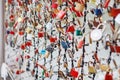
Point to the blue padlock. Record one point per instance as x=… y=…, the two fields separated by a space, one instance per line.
x=42 y=51
x=65 y=44
x=8 y=32
x=97 y=12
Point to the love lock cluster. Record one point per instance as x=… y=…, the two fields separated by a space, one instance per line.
x=63 y=39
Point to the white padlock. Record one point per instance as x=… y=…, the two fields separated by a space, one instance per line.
x=117 y=19
x=97 y=33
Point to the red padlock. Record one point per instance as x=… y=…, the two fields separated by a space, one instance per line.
x=108 y=76
x=71 y=29
x=115 y=49
x=12 y=17
x=21 y=33
x=12 y=32
x=114 y=12
x=80 y=44
x=18 y=72
x=40 y=34
x=53 y=39
x=74 y=73
x=23 y=46
x=28 y=43
x=54 y=5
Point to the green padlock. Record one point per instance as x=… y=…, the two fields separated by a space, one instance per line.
x=11 y=24
x=43 y=73
x=78 y=33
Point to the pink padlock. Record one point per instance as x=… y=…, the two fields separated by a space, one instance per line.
x=80 y=44
x=54 y=5
x=61 y=14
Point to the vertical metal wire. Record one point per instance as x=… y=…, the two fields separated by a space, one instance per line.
x=83 y=55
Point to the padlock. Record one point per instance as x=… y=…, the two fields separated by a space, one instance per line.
x=78 y=33
x=117 y=19
x=74 y=73
x=43 y=51
x=71 y=29
x=54 y=5
x=79 y=7
x=23 y=47
x=108 y=76
x=80 y=44
x=65 y=64
x=53 y=39
x=61 y=14
x=40 y=34
x=97 y=33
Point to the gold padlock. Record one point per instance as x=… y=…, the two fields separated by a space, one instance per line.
x=79 y=7
x=47 y=54
x=65 y=64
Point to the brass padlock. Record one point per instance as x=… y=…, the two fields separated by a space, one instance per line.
x=79 y=7
x=65 y=64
